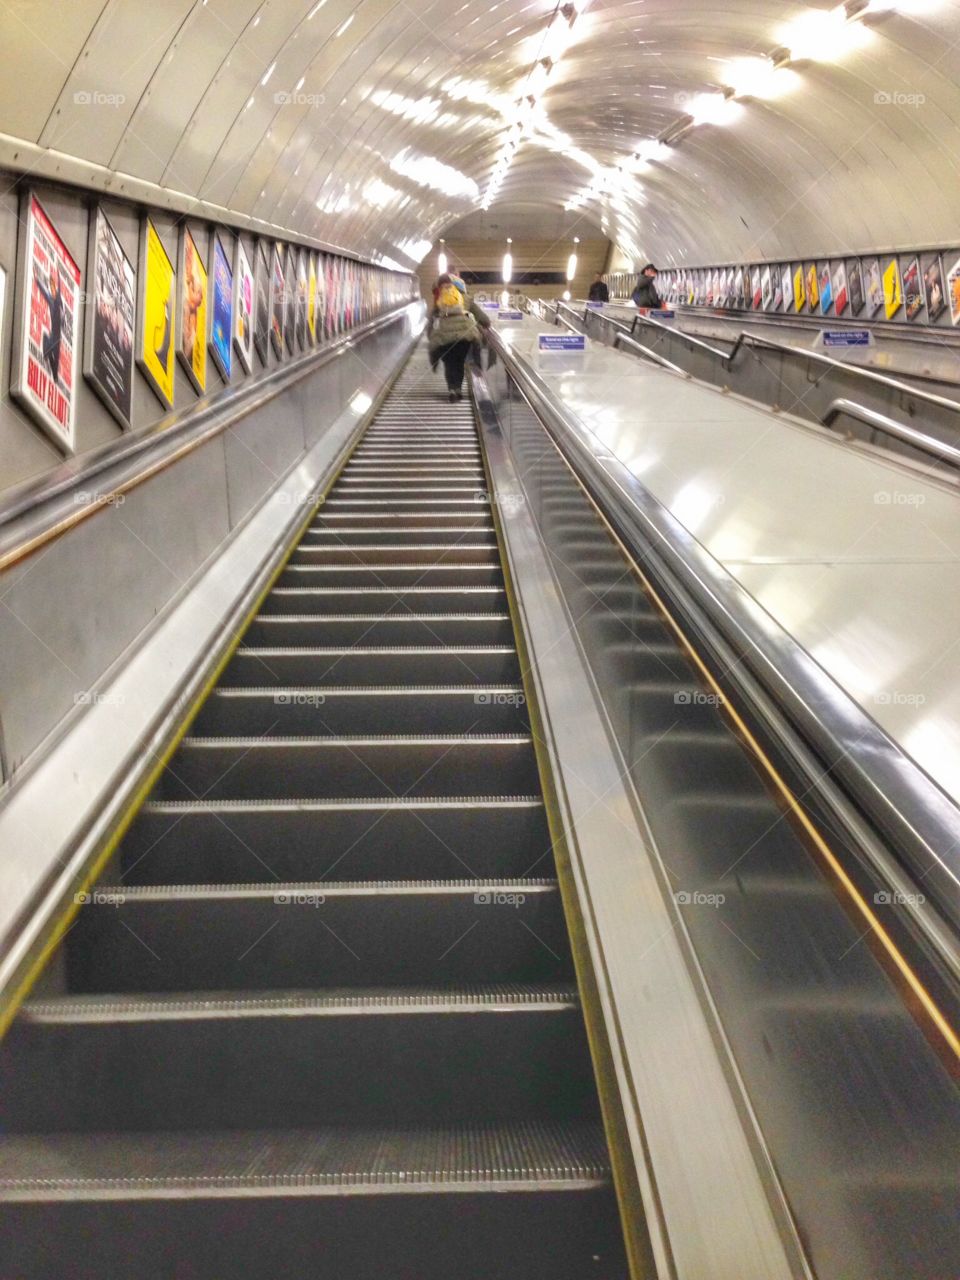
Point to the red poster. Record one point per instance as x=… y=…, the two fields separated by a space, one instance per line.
x=46 y=363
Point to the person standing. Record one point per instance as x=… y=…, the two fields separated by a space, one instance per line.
x=645 y=294
x=453 y=334
x=598 y=290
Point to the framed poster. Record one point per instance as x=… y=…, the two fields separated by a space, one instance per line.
x=158 y=305
x=841 y=295
x=777 y=289
x=766 y=288
x=756 y=289
x=787 y=286
x=855 y=285
x=312 y=301
x=826 y=288
x=873 y=285
x=290 y=302
x=277 y=301
x=301 y=300
x=109 y=321
x=44 y=374
x=813 y=288
x=221 y=311
x=892 y=289
x=192 y=345
x=243 y=291
x=912 y=289
x=953 y=291
x=799 y=292
x=261 y=306
x=933 y=290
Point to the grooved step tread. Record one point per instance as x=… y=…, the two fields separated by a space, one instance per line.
x=523 y=1156
x=361 y=1001
x=281 y=889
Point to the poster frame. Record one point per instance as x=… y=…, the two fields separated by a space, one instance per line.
x=187 y=365
x=223 y=368
x=97 y=212
x=241 y=262
x=262 y=285
x=147 y=224
x=278 y=310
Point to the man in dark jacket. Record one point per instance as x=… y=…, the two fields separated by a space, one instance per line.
x=645 y=294
x=598 y=290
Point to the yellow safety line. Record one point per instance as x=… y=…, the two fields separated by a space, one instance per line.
x=927 y=1001
x=11 y=1002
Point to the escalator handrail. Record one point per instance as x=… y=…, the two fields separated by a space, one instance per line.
x=39 y=510
x=902 y=801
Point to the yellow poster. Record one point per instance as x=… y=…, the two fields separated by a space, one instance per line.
x=193 y=311
x=813 y=289
x=157 y=317
x=799 y=293
x=312 y=301
x=892 y=290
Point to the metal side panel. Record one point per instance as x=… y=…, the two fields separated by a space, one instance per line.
x=711 y=1209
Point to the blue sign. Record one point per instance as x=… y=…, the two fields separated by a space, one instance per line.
x=509 y=315
x=595 y=306
x=488 y=305
x=846 y=337
x=562 y=342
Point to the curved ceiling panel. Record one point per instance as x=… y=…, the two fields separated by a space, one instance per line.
x=376 y=124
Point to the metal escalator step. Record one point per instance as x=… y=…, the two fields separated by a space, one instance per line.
x=372 y=664
x=449 y=574
x=354 y=534
x=272 y=1059
x=536 y=1155
x=380 y=600
x=475 y=517
x=281 y=935
x=466 y=550
x=358 y=709
x=360 y=628
x=237 y=841
x=266 y=768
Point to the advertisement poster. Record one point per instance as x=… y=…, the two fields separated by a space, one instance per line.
x=892 y=289
x=841 y=295
x=855 y=286
x=787 y=287
x=193 y=311
x=243 y=284
x=766 y=288
x=276 y=302
x=778 y=281
x=301 y=300
x=813 y=289
x=933 y=290
x=912 y=289
x=799 y=293
x=874 y=287
x=221 y=311
x=290 y=302
x=826 y=288
x=312 y=301
x=111 y=310
x=44 y=377
x=953 y=291
x=158 y=305
x=261 y=305
x=756 y=292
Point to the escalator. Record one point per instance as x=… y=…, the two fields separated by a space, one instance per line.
x=320 y=1016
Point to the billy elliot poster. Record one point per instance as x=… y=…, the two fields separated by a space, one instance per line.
x=45 y=367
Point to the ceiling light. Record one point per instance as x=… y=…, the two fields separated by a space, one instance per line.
x=343 y=26
x=571 y=266
x=822 y=35
x=269 y=72
x=507 y=267
x=427 y=171
x=758 y=78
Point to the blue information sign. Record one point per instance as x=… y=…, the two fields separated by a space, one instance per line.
x=509 y=315
x=846 y=337
x=562 y=342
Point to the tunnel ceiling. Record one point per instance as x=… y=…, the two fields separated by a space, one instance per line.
x=377 y=125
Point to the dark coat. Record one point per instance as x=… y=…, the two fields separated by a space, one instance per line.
x=645 y=294
x=598 y=292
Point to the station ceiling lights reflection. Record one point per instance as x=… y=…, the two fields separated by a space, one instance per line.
x=678 y=127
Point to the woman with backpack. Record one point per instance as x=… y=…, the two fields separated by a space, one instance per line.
x=454 y=333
